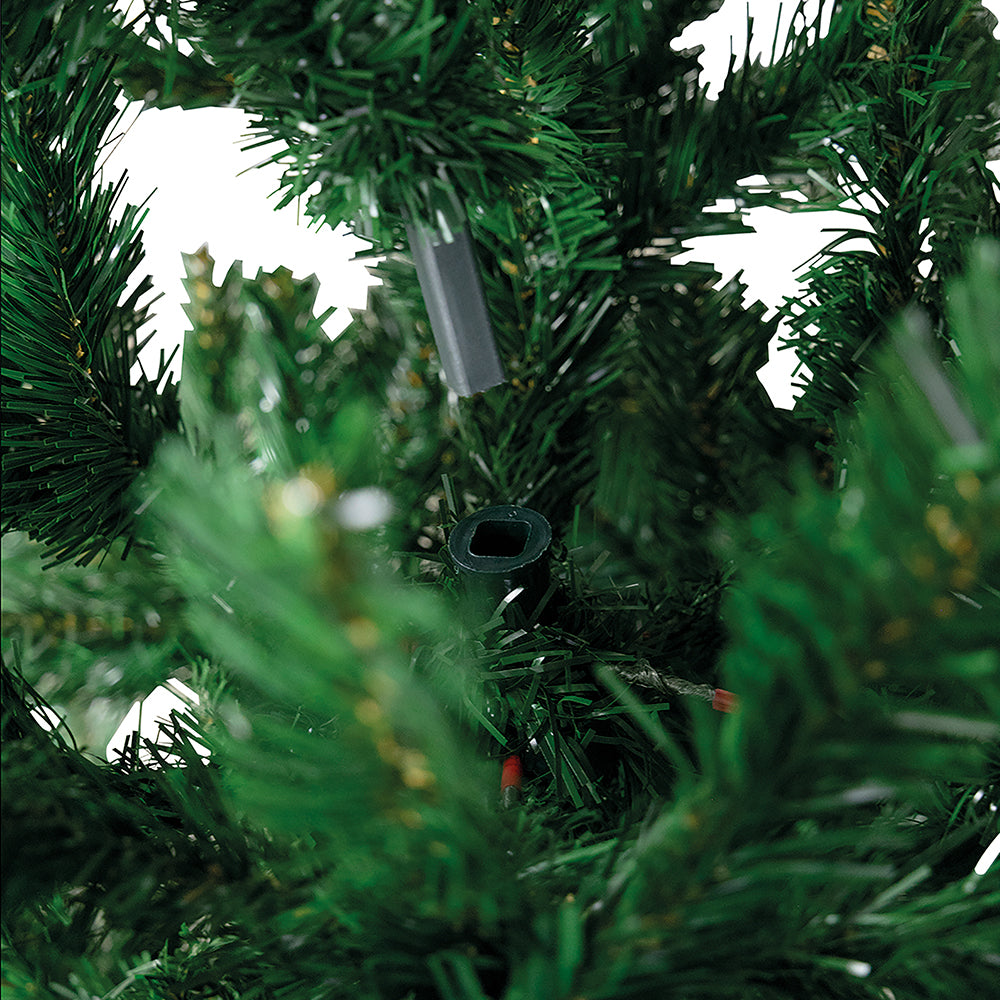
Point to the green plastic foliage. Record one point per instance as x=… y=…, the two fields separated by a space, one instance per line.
x=76 y=833
x=76 y=431
x=556 y=261
x=330 y=736
x=390 y=108
x=863 y=645
x=621 y=168
x=683 y=151
x=332 y=745
x=256 y=351
x=910 y=547
x=162 y=77
x=690 y=366
x=95 y=638
x=344 y=840
x=549 y=266
x=910 y=123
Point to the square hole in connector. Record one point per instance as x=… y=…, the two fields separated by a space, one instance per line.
x=500 y=538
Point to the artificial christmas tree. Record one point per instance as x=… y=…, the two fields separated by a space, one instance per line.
x=412 y=796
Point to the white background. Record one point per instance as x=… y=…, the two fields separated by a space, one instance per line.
x=207 y=191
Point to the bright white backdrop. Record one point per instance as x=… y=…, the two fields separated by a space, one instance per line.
x=207 y=191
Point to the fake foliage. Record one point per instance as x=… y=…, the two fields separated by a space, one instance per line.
x=273 y=530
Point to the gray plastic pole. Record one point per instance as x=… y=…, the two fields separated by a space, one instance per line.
x=453 y=293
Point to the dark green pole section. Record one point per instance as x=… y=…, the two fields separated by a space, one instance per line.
x=501 y=549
